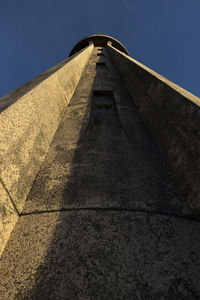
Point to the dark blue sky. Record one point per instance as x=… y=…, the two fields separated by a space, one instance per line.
x=162 y=34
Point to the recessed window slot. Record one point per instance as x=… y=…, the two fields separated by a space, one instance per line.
x=101 y=65
x=103 y=107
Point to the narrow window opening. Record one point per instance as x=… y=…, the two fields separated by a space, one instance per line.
x=101 y=65
x=103 y=107
x=100 y=54
x=108 y=106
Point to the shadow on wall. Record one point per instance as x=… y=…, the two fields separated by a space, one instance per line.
x=99 y=248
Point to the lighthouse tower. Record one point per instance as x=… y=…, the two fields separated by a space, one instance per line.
x=99 y=181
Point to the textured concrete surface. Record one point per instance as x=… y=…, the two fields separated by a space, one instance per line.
x=13 y=96
x=103 y=165
x=28 y=125
x=103 y=255
x=172 y=114
x=104 y=218
x=8 y=218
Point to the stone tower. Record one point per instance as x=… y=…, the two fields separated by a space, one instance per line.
x=99 y=182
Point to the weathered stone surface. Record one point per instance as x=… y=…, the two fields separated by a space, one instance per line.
x=23 y=147
x=114 y=165
x=103 y=255
x=13 y=96
x=28 y=128
x=8 y=217
x=83 y=172
x=173 y=116
x=104 y=218
x=29 y=124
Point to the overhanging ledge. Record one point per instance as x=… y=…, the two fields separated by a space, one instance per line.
x=100 y=40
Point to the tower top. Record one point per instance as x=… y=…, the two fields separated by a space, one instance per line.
x=98 y=40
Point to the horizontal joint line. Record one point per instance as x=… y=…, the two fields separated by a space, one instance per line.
x=140 y=211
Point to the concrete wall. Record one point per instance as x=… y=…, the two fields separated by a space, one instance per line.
x=29 y=118
x=172 y=114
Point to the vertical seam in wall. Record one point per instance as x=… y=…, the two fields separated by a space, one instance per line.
x=39 y=125
x=146 y=90
x=145 y=93
x=62 y=89
x=11 y=199
x=77 y=81
x=43 y=161
x=121 y=77
x=47 y=149
x=83 y=70
x=55 y=131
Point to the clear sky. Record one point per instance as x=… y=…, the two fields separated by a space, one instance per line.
x=162 y=34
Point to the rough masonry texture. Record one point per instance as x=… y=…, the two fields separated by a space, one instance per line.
x=98 y=191
x=173 y=116
x=28 y=120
